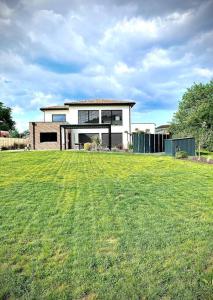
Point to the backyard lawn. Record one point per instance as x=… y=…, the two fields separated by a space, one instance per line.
x=91 y=226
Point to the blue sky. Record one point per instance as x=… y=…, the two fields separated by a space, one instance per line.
x=148 y=51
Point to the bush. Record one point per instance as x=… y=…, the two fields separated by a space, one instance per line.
x=130 y=146
x=87 y=146
x=120 y=147
x=96 y=143
x=181 y=154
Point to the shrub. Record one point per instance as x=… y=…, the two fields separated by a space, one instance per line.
x=96 y=142
x=181 y=154
x=87 y=146
x=120 y=146
x=22 y=146
x=130 y=146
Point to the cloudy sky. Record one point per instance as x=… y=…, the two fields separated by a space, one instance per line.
x=149 y=51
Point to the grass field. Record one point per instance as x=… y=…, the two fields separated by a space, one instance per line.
x=104 y=226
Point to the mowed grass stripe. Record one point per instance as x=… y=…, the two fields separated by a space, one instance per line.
x=104 y=226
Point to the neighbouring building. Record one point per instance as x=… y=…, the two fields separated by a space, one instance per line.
x=71 y=125
x=4 y=133
x=143 y=127
x=162 y=129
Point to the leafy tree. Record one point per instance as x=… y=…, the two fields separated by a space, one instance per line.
x=14 y=133
x=6 y=121
x=195 y=115
x=25 y=133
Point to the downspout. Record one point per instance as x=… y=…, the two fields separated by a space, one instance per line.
x=33 y=123
x=130 y=132
x=60 y=138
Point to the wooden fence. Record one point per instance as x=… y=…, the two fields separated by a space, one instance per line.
x=13 y=142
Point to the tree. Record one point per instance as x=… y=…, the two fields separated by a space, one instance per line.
x=25 y=133
x=6 y=121
x=195 y=115
x=14 y=133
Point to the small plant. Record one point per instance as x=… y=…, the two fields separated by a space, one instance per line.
x=130 y=146
x=181 y=154
x=96 y=142
x=87 y=146
x=119 y=147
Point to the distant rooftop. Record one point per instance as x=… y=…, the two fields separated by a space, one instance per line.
x=100 y=102
x=163 y=126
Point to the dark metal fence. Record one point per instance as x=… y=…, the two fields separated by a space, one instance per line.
x=148 y=143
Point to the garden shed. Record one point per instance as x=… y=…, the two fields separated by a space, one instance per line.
x=180 y=144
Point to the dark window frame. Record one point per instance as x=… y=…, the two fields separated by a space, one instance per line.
x=89 y=113
x=44 y=139
x=58 y=115
x=111 y=116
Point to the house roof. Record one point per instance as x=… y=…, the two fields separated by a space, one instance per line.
x=56 y=107
x=100 y=102
x=163 y=126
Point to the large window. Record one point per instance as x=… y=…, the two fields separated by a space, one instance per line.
x=59 y=118
x=117 y=139
x=113 y=117
x=48 y=137
x=86 y=137
x=88 y=116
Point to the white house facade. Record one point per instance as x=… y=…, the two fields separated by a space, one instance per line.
x=71 y=125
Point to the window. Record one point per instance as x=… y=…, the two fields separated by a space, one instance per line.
x=117 y=139
x=59 y=118
x=48 y=137
x=113 y=117
x=86 y=137
x=88 y=116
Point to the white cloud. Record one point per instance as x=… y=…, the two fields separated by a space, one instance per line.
x=41 y=99
x=122 y=68
x=204 y=72
x=156 y=58
x=17 y=110
x=5 y=11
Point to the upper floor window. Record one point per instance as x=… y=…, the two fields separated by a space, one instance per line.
x=113 y=117
x=88 y=116
x=59 y=118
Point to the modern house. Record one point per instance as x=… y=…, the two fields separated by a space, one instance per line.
x=71 y=125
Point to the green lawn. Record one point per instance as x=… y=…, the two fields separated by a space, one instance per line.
x=104 y=226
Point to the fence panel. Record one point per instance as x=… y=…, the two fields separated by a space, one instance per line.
x=12 y=142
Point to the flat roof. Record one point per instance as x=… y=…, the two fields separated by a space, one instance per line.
x=100 y=102
x=55 y=107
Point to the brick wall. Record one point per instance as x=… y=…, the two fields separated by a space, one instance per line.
x=45 y=127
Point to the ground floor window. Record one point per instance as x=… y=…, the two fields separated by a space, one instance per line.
x=86 y=137
x=117 y=139
x=48 y=137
